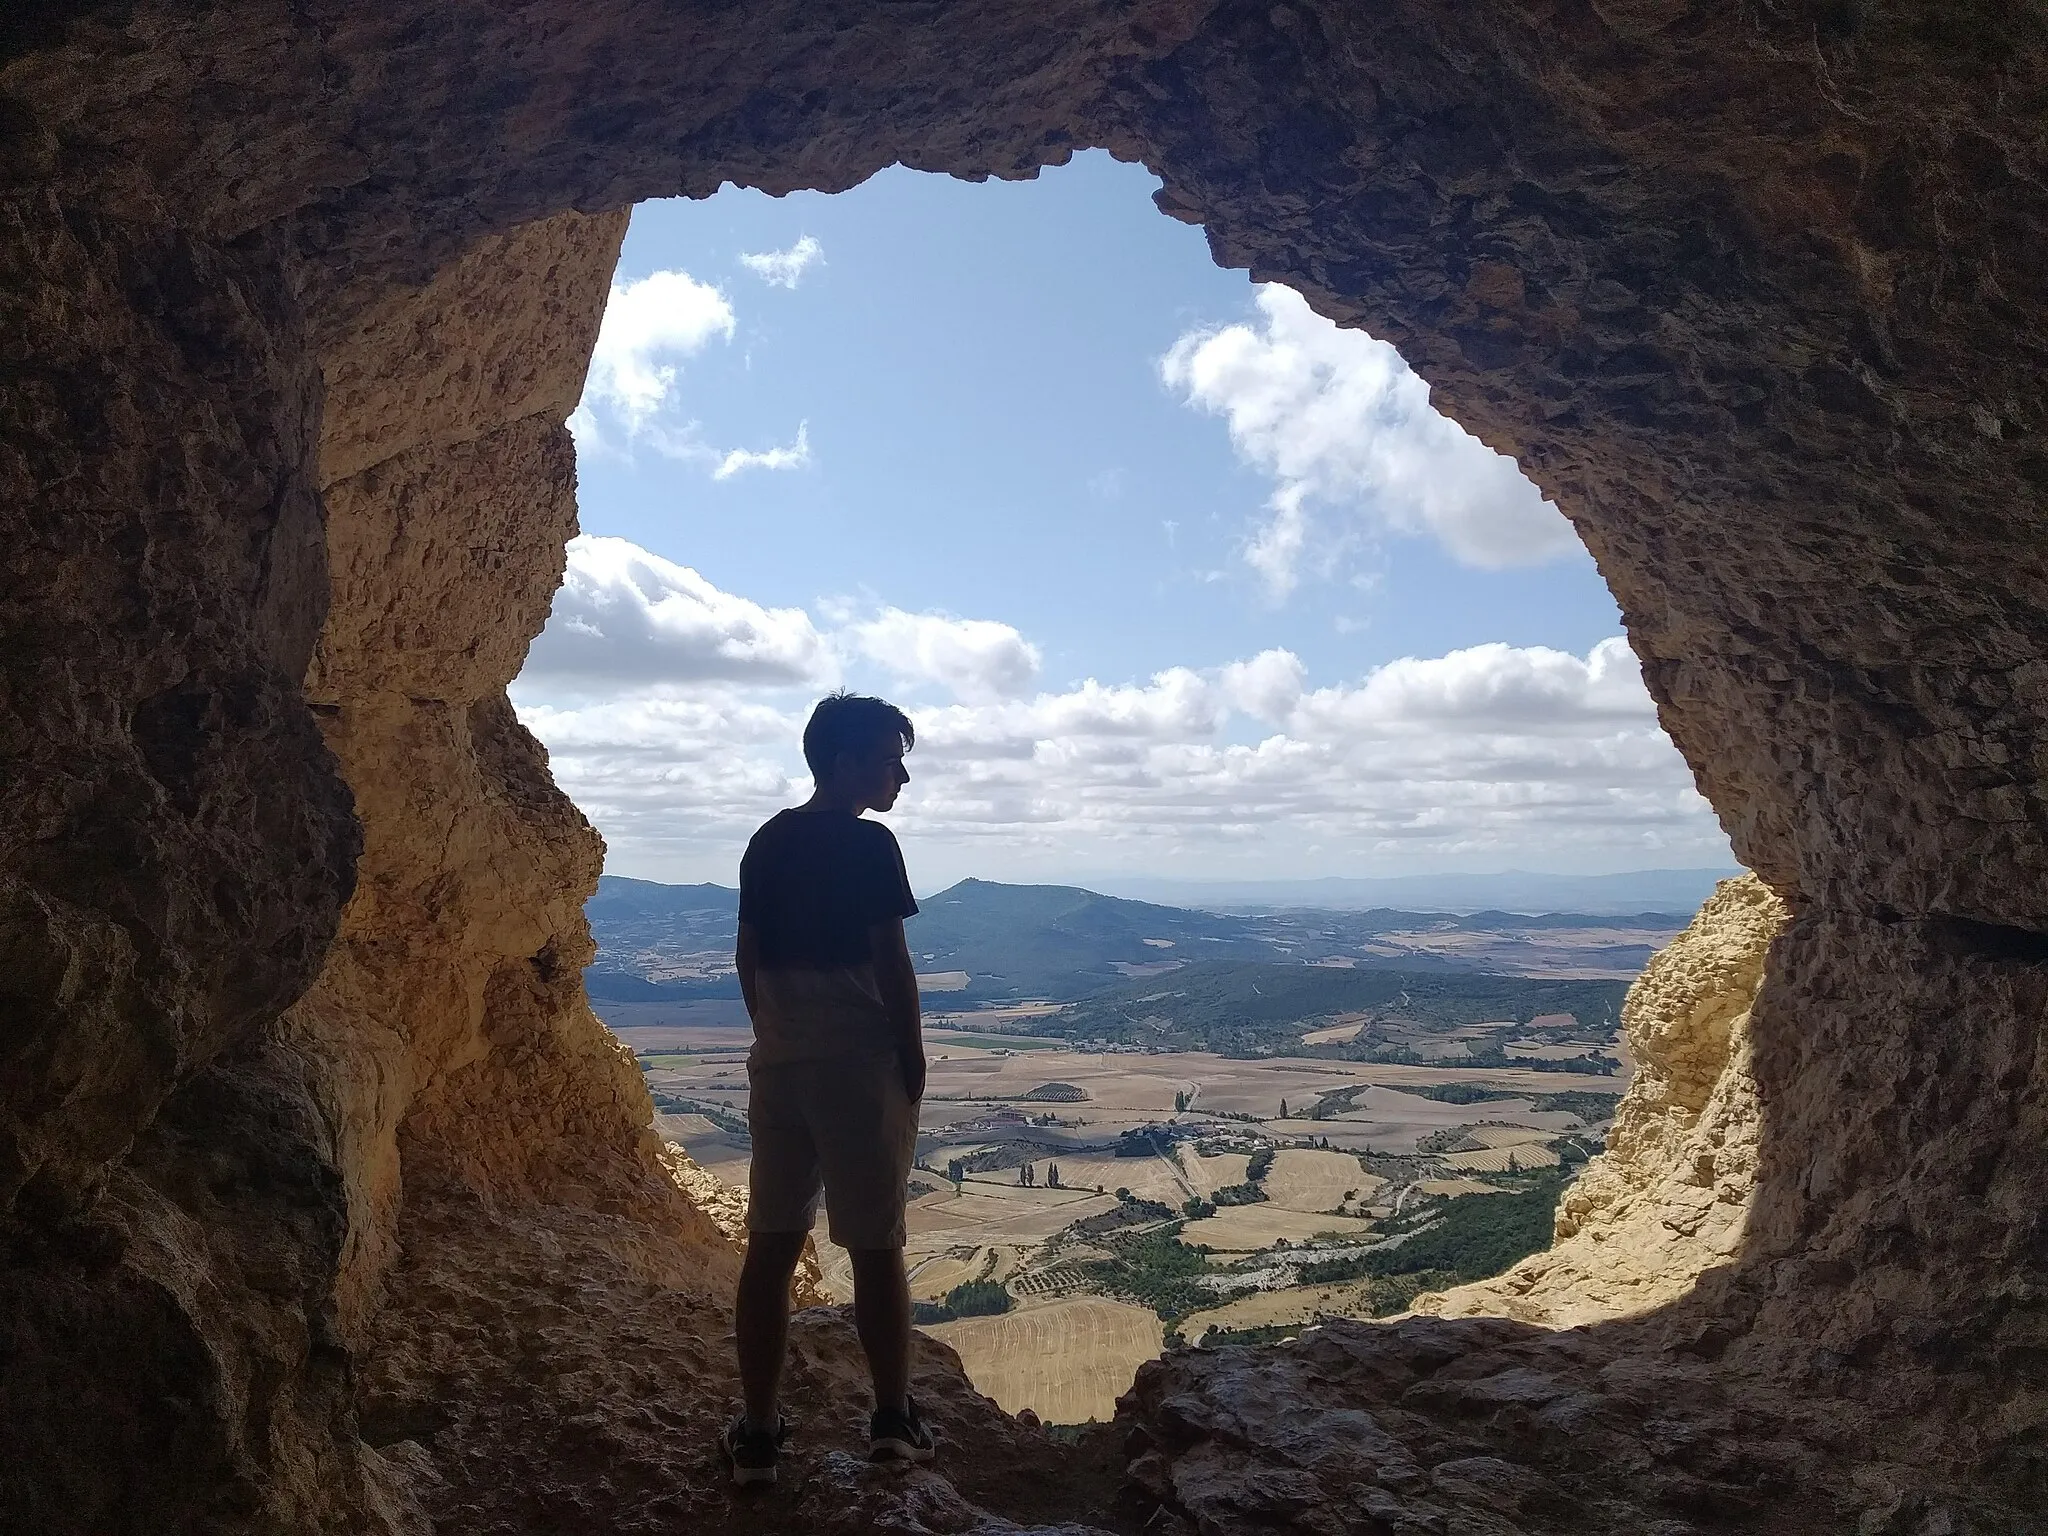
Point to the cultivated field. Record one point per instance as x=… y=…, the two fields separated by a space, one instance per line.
x=1067 y=1351
x=1303 y=1180
x=1336 y=1034
x=1263 y=1309
x=1499 y=1159
x=1067 y=1360
x=1149 y=1178
x=1209 y=1174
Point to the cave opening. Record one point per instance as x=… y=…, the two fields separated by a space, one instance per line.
x=1162 y=566
x=327 y=1206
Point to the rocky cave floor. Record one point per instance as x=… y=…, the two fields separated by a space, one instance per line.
x=566 y=1392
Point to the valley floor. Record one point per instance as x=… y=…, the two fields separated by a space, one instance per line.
x=1356 y=1156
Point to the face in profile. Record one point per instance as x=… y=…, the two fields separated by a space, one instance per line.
x=876 y=777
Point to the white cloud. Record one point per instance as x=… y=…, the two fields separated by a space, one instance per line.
x=784 y=269
x=632 y=393
x=795 y=456
x=1340 y=421
x=1495 y=688
x=1267 y=687
x=626 y=620
x=648 y=323
x=977 y=659
x=672 y=712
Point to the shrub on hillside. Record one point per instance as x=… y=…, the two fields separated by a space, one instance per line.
x=979 y=1298
x=1246 y=1193
x=976 y=1298
x=1471 y=1238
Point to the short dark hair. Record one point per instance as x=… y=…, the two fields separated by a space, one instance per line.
x=852 y=722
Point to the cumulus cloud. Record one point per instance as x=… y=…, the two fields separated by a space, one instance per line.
x=626 y=620
x=795 y=456
x=976 y=659
x=784 y=269
x=1526 y=690
x=632 y=393
x=1342 y=423
x=672 y=713
x=1268 y=687
x=648 y=324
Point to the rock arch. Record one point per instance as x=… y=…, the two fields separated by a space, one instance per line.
x=310 y=1154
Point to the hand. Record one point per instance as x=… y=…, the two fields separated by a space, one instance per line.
x=913 y=1065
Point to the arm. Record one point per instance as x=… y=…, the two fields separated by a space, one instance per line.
x=897 y=978
x=747 y=961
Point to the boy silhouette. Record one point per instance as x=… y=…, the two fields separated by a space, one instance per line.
x=835 y=1073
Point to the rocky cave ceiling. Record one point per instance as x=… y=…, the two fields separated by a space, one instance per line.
x=329 y=1206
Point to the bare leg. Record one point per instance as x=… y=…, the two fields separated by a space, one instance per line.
x=760 y=1320
x=881 y=1315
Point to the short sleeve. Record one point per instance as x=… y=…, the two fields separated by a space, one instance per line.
x=890 y=884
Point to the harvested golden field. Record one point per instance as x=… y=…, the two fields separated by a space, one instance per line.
x=1506 y=1135
x=935 y=1274
x=1336 y=1034
x=1208 y=1174
x=1068 y=1361
x=1248 y=1228
x=1496 y=1159
x=1302 y=1180
x=992 y=1212
x=1149 y=1178
x=1264 y=1309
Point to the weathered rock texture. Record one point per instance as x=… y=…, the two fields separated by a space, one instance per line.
x=323 y=1210
x=1670 y=1197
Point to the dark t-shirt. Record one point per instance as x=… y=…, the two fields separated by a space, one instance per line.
x=812 y=884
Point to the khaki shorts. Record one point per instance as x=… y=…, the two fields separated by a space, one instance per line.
x=846 y=1124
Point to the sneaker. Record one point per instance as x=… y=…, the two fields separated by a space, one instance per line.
x=752 y=1453
x=903 y=1436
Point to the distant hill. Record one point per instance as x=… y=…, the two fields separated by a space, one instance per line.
x=674 y=942
x=1058 y=940
x=1515 y=891
x=618 y=898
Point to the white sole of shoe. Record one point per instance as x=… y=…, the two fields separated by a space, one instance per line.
x=900 y=1450
x=746 y=1476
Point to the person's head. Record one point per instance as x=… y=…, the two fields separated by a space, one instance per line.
x=855 y=747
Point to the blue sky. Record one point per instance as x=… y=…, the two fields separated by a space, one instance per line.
x=1176 y=577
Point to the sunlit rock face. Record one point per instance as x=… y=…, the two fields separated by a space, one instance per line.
x=1670 y=1199
x=322 y=1189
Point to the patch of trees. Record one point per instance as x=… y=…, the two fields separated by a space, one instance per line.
x=974 y=1298
x=1461 y=1093
x=1471 y=1238
x=1158 y=1270
x=1132 y=1212
x=1246 y=1193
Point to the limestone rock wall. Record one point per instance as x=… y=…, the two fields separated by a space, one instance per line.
x=1671 y=1195
x=291 y=298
